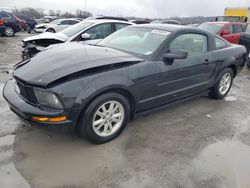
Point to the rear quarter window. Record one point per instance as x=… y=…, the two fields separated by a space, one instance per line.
x=219 y=43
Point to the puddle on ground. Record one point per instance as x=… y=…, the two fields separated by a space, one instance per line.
x=222 y=164
x=1 y=91
x=230 y=98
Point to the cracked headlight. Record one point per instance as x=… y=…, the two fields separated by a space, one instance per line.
x=48 y=99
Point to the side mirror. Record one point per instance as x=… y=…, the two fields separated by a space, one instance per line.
x=225 y=32
x=85 y=36
x=175 y=54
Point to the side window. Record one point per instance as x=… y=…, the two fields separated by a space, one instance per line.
x=119 y=26
x=194 y=44
x=238 y=28
x=65 y=22
x=230 y=28
x=72 y=22
x=100 y=31
x=219 y=43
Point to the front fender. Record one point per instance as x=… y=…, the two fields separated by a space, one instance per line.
x=97 y=86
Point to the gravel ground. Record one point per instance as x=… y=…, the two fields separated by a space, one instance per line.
x=202 y=143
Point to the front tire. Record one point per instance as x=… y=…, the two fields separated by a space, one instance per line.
x=50 y=30
x=105 y=118
x=224 y=84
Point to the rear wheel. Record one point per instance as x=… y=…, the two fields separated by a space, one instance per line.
x=248 y=60
x=105 y=118
x=9 y=31
x=223 y=86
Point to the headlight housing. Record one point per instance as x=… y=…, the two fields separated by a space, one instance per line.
x=48 y=99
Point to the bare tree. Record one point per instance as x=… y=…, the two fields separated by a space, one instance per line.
x=52 y=12
x=82 y=14
x=37 y=13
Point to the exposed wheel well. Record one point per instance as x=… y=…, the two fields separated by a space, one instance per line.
x=234 y=68
x=120 y=91
x=50 y=29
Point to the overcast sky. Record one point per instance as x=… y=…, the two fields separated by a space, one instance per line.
x=140 y=8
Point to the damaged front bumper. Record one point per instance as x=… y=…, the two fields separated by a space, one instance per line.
x=27 y=111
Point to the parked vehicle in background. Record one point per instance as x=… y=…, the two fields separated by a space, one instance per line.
x=30 y=21
x=55 y=26
x=140 y=21
x=235 y=14
x=2 y=27
x=93 y=29
x=22 y=24
x=46 y=19
x=96 y=89
x=175 y=22
x=106 y=18
x=245 y=41
x=11 y=23
x=231 y=31
x=193 y=25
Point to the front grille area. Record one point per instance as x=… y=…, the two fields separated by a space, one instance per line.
x=25 y=91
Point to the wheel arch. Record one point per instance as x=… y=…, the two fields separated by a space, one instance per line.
x=51 y=28
x=234 y=69
x=125 y=92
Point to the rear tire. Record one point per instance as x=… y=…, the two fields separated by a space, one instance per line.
x=248 y=62
x=224 y=84
x=9 y=31
x=105 y=118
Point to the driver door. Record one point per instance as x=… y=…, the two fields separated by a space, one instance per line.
x=185 y=77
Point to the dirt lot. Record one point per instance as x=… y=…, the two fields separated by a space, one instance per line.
x=202 y=143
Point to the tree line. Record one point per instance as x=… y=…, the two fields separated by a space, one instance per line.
x=39 y=13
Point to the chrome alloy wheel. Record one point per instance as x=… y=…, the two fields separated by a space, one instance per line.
x=225 y=83
x=108 y=118
x=9 y=31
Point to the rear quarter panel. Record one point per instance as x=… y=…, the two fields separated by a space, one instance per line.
x=234 y=55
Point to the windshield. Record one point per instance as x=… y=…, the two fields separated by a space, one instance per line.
x=141 y=41
x=55 y=21
x=211 y=27
x=74 y=29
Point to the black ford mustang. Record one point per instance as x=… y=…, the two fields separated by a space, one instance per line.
x=97 y=88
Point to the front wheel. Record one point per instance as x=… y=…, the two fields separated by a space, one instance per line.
x=105 y=118
x=223 y=86
x=50 y=30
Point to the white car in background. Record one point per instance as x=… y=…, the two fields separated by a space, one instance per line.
x=56 y=25
x=90 y=31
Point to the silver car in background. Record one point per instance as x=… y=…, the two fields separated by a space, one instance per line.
x=56 y=25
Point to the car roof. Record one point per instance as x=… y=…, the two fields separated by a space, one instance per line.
x=107 y=21
x=225 y=23
x=166 y=27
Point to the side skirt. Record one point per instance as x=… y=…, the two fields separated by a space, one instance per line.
x=163 y=107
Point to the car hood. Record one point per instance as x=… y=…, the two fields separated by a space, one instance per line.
x=47 y=35
x=66 y=59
